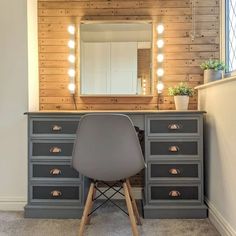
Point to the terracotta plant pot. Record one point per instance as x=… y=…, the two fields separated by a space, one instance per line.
x=181 y=103
x=212 y=75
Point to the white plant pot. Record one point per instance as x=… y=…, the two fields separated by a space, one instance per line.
x=212 y=75
x=181 y=103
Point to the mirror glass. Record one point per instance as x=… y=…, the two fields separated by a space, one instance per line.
x=116 y=58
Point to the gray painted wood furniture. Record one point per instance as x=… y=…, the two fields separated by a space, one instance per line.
x=174 y=183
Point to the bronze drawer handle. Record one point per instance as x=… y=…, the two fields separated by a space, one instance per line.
x=174 y=171
x=56 y=128
x=55 y=150
x=174 y=126
x=174 y=193
x=55 y=171
x=173 y=149
x=56 y=193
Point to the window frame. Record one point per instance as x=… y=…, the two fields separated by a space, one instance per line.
x=224 y=51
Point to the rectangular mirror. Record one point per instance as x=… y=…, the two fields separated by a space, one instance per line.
x=116 y=58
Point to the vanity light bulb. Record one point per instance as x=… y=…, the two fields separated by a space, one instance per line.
x=160 y=57
x=71 y=58
x=160 y=29
x=160 y=43
x=160 y=86
x=71 y=87
x=71 y=29
x=160 y=72
x=71 y=72
x=71 y=44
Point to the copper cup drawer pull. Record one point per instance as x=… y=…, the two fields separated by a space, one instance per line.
x=174 y=171
x=56 y=193
x=56 y=128
x=55 y=150
x=55 y=171
x=174 y=126
x=174 y=193
x=173 y=149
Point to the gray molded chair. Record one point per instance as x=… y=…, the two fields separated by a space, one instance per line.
x=107 y=149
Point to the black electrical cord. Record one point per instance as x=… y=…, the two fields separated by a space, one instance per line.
x=74 y=99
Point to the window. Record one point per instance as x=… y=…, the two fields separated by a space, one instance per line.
x=231 y=35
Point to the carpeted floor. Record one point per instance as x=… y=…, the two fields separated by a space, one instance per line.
x=107 y=221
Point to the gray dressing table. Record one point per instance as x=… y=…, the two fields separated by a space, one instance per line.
x=174 y=181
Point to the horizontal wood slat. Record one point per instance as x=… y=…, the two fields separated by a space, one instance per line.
x=182 y=55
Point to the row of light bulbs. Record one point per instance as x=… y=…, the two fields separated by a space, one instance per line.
x=160 y=57
x=71 y=59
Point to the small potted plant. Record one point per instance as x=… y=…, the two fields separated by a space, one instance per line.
x=213 y=70
x=181 y=94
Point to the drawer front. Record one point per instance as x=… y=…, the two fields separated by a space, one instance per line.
x=56 y=127
x=173 y=148
x=170 y=126
x=52 y=148
x=174 y=193
x=54 y=171
x=56 y=193
x=173 y=170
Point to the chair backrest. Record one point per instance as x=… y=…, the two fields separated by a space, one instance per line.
x=107 y=147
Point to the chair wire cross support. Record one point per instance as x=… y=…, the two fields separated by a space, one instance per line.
x=108 y=199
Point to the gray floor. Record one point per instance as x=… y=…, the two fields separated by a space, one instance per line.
x=107 y=221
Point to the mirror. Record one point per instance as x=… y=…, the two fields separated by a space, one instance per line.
x=116 y=58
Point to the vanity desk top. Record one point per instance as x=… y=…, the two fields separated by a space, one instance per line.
x=75 y=112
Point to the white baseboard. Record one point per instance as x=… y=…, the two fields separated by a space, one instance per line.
x=219 y=221
x=12 y=203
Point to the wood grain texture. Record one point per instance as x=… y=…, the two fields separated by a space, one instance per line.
x=182 y=55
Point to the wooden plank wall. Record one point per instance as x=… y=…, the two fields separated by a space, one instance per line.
x=182 y=56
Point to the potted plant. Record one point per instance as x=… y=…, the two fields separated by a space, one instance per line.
x=213 y=70
x=181 y=94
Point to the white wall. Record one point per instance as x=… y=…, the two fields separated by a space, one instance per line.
x=13 y=103
x=219 y=101
x=33 y=65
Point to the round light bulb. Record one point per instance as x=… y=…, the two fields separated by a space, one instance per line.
x=160 y=43
x=160 y=86
x=71 y=44
x=71 y=72
x=71 y=87
x=160 y=57
x=160 y=72
x=71 y=29
x=160 y=29
x=71 y=58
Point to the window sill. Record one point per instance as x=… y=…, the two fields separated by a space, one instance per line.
x=218 y=82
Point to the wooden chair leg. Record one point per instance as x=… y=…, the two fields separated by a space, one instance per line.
x=134 y=205
x=91 y=206
x=130 y=210
x=86 y=209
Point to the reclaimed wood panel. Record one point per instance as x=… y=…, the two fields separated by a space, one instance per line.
x=182 y=55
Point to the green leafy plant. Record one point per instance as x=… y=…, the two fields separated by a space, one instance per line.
x=181 y=89
x=212 y=65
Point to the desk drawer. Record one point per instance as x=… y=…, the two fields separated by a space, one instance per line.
x=52 y=148
x=54 y=171
x=170 y=126
x=56 y=193
x=173 y=170
x=173 y=148
x=174 y=193
x=54 y=127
